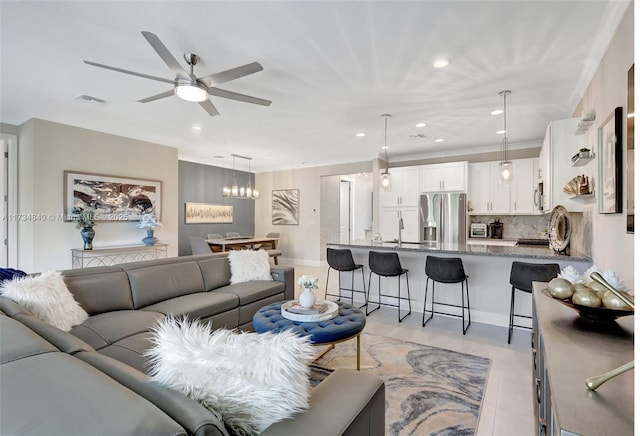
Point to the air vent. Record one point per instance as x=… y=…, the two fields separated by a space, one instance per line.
x=93 y=100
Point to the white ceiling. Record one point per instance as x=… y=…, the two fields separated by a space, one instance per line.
x=330 y=68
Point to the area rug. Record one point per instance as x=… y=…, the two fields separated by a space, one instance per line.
x=429 y=390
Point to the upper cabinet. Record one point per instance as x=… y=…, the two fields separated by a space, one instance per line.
x=444 y=177
x=523 y=186
x=404 y=188
x=556 y=170
x=486 y=194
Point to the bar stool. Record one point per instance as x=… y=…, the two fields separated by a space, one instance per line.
x=342 y=261
x=387 y=265
x=446 y=270
x=522 y=274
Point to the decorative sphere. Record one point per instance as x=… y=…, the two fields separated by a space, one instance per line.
x=586 y=297
x=597 y=286
x=560 y=288
x=612 y=302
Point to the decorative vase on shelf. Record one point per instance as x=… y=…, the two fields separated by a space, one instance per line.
x=307 y=298
x=88 y=234
x=149 y=239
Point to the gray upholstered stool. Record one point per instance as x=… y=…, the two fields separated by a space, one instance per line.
x=341 y=260
x=446 y=270
x=522 y=274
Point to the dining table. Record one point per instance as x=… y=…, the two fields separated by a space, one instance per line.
x=239 y=243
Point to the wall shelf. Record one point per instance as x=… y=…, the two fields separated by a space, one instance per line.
x=582 y=161
x=580 y=196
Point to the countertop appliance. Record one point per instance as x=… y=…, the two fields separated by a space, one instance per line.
x=495 y=229
x=444 y=218
x=529 y=241
x=479 y=230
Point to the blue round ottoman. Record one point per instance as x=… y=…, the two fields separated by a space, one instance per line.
x=348 y=324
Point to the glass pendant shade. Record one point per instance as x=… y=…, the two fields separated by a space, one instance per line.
x=236 y=191
x=505 y=167
x=506 y=172
x=385 y=181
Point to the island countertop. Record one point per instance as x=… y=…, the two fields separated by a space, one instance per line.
x=531 y=252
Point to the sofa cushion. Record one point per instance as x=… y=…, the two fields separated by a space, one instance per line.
x=19 y=342
x=47 y=297
x=58 y=394
x=130 y=350
x=253 y=291
x=215 y=271
x=100 y=290
x=157 y=283
x=109 y=328
x=200 y=305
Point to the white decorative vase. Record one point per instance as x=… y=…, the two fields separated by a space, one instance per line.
x=307 y=298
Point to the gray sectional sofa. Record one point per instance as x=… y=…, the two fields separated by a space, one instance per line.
x=92 y=380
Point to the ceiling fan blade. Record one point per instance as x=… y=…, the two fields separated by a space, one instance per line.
x=235 y=96
x=133 y=73
x=209 y=107
x=156 y=97
x=233 y=73
x=165 y=54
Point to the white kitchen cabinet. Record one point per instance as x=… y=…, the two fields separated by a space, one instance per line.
x=486 y=194
x=523 y=186
x=404 y=188
x=389 y=217
x=560 y=143
x=446 y=177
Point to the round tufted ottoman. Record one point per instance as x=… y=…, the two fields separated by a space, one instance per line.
x=347 y=325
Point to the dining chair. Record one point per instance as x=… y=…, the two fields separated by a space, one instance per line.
x=233 y=235
x=214 y=236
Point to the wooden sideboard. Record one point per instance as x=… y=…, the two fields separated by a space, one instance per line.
x=566 y=351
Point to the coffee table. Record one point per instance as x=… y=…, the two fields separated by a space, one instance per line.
x=348 y=324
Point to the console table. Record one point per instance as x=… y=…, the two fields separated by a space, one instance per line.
x=566 y=351
x=114 y=255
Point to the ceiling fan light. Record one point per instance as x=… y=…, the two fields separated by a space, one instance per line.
x=191 y=91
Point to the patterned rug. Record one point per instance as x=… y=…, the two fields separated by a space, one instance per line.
x=429 y=390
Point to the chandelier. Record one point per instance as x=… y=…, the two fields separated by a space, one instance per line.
x=506 y=166
x=385 y=177
x=235 y=191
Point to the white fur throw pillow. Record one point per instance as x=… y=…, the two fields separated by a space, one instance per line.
x=248 y=265
x=47 y=297
x=248 y=380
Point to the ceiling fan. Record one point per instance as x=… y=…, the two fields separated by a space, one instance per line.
x=189 y=87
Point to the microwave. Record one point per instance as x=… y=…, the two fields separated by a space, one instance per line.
x=479 y=230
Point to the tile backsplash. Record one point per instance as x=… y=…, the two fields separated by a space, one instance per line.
x=535 y=227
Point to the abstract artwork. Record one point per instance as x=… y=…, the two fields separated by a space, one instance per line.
x=285 y=207
x=112 y=198
x=200 y=213
x=610 y=164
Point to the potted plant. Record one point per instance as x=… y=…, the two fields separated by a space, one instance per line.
x=307 y=297
x=84 y=219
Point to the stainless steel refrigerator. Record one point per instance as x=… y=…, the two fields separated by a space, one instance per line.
x=444 y=218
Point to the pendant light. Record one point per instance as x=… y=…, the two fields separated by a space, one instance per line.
x=236 y=191
x=506 y=166
x=385 y=177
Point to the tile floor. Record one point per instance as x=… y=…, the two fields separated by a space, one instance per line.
x=507 y=408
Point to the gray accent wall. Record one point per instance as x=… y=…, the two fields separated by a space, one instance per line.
x=198 y=183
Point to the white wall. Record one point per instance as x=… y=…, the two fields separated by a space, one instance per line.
x=45 y=150
x=612 y=245
x=302 y=242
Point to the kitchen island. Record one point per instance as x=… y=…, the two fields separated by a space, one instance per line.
x=488 y=268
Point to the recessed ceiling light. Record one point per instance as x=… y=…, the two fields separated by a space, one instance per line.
x=497 y=112
x=385 y=147
x=440 y=63
x=360 y=134
x=500 y=132
x=439 y=140
x=196 y=127
x=421 y=124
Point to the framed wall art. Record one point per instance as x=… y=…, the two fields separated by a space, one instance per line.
x=112 y=198
x=201 y=213
x=610 y=163
x=285 y=207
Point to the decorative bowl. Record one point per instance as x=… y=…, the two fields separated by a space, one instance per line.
x=592 y=314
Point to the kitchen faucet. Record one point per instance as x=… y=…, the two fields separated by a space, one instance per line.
x=400 y=228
